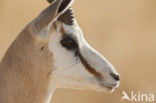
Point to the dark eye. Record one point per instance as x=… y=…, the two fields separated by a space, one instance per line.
x=68 y=43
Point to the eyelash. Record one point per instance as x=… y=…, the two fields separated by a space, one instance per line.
x=69 y=43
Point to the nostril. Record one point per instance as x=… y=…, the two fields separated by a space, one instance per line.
x=116 y=77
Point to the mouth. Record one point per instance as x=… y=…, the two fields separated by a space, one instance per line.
x=110 y=88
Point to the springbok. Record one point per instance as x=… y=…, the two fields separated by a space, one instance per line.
x=51 y=52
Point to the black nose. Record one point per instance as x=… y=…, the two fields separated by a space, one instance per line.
x=116 y=77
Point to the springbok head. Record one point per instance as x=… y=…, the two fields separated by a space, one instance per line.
x=76 y=64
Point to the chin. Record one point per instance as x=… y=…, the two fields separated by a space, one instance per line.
x=104 y=88
x=100 y=88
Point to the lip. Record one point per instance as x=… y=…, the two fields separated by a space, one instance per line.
x=109 y=87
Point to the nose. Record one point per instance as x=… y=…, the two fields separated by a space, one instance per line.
x=115 y=76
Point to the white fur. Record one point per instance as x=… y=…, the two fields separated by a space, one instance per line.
x=67 y=69
x=69 y=72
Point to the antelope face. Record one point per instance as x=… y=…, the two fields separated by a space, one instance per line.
x=76 y=64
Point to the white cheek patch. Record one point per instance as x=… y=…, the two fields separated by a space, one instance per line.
x=68 y=72
x=63 y=58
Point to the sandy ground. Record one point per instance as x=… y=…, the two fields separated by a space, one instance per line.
x=124 y=31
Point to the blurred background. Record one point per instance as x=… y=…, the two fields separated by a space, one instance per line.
x=124 y=31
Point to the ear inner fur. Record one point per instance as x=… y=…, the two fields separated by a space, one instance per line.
x=67 y=17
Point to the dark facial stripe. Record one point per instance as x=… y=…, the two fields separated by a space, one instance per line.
x=88 y=67
x=83 y=61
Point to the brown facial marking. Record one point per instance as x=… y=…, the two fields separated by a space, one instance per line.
x=88 y=67
x=62 y=30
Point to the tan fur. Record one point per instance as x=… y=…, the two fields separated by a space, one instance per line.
x=25 y=70
x=27 y=66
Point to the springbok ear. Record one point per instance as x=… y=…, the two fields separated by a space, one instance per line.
x=67 y=17
x=51 y=13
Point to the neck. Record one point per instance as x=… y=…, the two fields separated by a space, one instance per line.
x=25 y=72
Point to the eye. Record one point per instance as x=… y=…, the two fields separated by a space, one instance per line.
x=68 y=43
